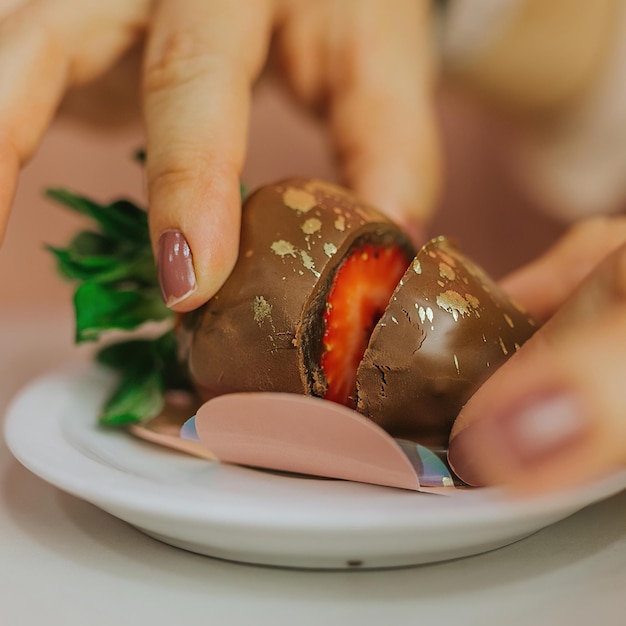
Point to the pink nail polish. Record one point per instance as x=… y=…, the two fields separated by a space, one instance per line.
x=175 y=265
x=528 y=435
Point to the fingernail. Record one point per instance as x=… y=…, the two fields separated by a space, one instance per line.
x=533 y=433
x=175 y=265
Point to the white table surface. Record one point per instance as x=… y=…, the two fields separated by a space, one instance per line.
x=63 y=562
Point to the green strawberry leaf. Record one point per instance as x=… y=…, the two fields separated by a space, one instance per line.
x=132 y=355
x=138 y=397
x=147 y=367
x=137 y=270
x=97 y=268
x=99 y=309
x=88 y=243
x=175 y=376
x=120 y=220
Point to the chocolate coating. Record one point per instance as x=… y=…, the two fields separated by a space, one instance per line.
x=263 y=330
x=448 y=326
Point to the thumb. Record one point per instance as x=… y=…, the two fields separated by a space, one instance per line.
x=554 y=415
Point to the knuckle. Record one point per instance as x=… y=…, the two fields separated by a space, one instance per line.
x=185 y=167
x=178 y=61
x=173 y=174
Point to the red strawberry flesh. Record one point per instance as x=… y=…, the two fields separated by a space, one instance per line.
x=357 y=299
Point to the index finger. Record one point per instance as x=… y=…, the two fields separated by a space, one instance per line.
x=546 y=283
x=201 y=60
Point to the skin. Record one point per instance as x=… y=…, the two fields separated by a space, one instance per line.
x=359 y=64
x=366 y=67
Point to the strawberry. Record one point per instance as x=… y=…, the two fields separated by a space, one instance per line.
x=357 y=299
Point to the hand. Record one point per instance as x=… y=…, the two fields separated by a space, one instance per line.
x=364 y=64
x=555 y=414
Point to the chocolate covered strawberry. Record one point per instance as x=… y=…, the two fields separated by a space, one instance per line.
x=315 y=271
x=327 y=299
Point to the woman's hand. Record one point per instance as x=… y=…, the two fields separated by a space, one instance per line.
x=365 y=64
x=555 y=414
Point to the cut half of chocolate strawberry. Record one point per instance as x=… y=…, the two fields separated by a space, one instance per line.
x=447 y=328
x=315 y=272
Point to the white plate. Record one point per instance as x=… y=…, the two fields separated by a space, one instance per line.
x=253 y=516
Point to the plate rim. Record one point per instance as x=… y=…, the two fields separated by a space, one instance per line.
x=153 y=501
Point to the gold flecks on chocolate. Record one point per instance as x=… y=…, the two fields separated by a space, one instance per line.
x=446 y=271
x=504 y=348
x=299 y=200
x=249 y=253
x=308 y=262
x=425 y=313
x=447 y=258
x=328 y=189
x=330 y=249
x=283 y=248
x=340 y=223
x=417 y=266
x=454 y=303
x=441 y=283
x=508 y=320
x=394 y=320
x=456 y=364
x=517 y=346
x=474 y=302
x=312 y=225
x=261 y=309
x=421 y=312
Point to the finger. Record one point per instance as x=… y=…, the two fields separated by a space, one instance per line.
x=201 y=60
x=542 y=286
x=45 y=47
x=372 y=64
x=385 y=122
x=383 y=114
x=553 y=415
